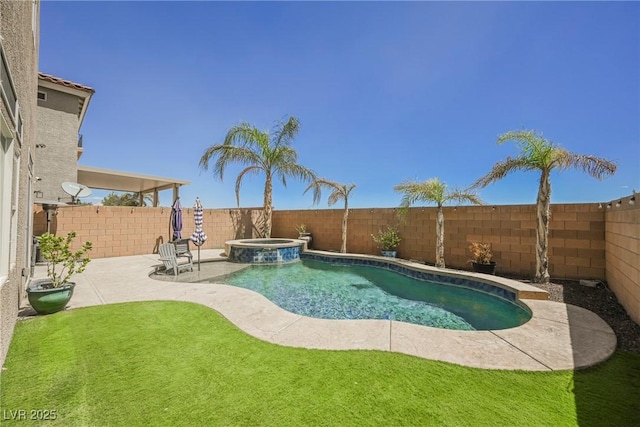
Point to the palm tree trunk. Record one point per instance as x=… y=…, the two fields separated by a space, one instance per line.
x=343 y=248
x=268 y=206
x=542 y=232
x=440 y=238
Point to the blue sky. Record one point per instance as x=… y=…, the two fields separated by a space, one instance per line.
x=385 y=91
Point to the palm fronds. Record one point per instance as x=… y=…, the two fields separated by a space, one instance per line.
x=538 y=153
x=259 y=151
x=433 y=191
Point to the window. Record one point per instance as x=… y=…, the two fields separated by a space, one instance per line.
x=29 y=202
x=6 y=86
x=19 y=127
x=15 y=181
x=6 y=201
x=42 y=96
x=19 y=124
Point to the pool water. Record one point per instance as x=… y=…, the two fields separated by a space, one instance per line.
x=322 y=290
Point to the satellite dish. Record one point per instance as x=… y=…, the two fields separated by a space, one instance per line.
x=75 y=190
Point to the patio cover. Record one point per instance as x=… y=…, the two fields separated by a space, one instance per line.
x=112 y=180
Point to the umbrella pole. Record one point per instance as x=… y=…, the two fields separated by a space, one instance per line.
x=198 y=258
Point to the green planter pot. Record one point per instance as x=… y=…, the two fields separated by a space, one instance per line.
x=46 y=300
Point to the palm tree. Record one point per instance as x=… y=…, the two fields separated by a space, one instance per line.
x=339 y=192
x=127 y=199
x=146 y=199
x=434 y=191
x=259 y=151
x=540 y=154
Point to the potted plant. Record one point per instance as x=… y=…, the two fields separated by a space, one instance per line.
x=304 y=234
x=481 y=258
x=51 y=294
x=387 y=240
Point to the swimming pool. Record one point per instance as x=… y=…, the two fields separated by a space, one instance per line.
x=320 y=287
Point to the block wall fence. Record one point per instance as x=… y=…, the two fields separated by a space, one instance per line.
x=585 y=242
x=122 y=231
x=622 y=255
x=576 y=243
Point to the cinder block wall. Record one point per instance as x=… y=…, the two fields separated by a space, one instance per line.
x=586 y=241
x=121 y=231
x=576 y=241
x=622 y=243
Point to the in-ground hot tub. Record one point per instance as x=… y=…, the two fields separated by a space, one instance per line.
x=264 y=251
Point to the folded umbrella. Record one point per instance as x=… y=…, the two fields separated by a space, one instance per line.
x=198 y=237
x=176 y=219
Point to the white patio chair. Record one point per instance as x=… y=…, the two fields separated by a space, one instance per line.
x=169 y=258
x=182 y=249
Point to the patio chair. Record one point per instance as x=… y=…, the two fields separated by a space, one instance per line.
x=182 y=249
x=169 y=258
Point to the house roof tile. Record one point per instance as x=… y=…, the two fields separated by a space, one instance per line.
x=63 y=82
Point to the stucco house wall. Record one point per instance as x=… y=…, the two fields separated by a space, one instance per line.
x=58 y=134
x=62 y=105
x=19 y=40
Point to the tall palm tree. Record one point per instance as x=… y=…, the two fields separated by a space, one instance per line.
x=127 y=199
x=145 y=199
x=260 y=151
x=338 y=192
x=540 y=154
x=434 y=191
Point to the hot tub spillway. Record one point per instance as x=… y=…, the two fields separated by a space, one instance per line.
x=264 y=251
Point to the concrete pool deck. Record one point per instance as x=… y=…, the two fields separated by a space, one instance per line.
x=558 y=336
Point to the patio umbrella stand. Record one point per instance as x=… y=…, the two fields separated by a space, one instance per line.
x=198 y=237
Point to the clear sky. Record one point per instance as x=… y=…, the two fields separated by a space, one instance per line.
x=385 y=91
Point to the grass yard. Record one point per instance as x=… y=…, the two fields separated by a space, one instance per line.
x=174 y=363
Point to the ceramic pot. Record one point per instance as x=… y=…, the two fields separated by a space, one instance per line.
x=46 y=300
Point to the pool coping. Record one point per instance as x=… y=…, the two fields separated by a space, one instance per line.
x=558 y=336
x=520 y=289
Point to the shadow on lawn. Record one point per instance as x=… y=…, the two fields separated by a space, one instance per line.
x=615 y=402
x=609 y=394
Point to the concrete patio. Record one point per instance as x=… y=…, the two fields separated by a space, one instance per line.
x=558 y=337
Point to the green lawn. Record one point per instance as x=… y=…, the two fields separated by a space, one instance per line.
x=173 y=363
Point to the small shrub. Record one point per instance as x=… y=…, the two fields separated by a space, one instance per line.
x=480 y=252
x=387 y=239
x=57 y=252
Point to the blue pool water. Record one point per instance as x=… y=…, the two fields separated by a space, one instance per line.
x=322 y=290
